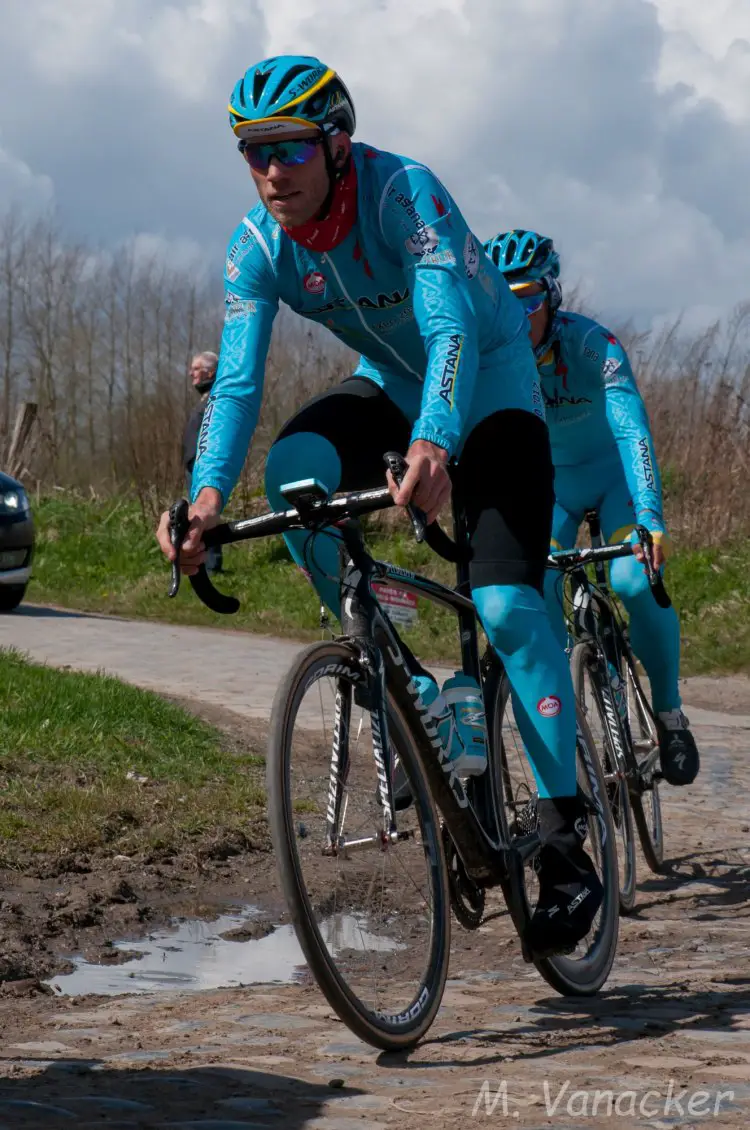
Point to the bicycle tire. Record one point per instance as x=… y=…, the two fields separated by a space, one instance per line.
x=584 y=663
x=571 y=976
x=646 y=805
x=383 y=1030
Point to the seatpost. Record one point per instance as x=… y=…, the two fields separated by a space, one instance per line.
x=467 y=632
x=591 y=517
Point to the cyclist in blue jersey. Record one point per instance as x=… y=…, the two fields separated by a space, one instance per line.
x=604 y=459
x=372 y=246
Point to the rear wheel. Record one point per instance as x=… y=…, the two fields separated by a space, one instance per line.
x=591 y=688
x=371 y=912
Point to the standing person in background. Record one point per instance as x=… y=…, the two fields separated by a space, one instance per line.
x=202 y=375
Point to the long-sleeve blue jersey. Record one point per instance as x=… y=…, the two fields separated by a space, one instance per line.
x=409 y=289
x=593 y=406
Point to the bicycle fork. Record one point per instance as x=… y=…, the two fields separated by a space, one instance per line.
x=357 y=624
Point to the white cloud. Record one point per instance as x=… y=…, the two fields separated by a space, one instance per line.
x=707 y=46
x=21 y=186
x=621 y=128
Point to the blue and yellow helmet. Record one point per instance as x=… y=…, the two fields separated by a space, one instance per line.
x=289 y=93
x=524 y=256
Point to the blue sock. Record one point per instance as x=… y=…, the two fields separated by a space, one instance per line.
x=518 y=627
x=307 y=455
x=654 y=632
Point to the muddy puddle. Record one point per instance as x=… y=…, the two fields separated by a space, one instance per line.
x=197 y=955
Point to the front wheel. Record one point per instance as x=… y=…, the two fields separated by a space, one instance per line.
x=645 y=797
x=371 y=910
x=595 y=698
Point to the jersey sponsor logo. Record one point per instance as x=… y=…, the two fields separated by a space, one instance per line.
x=537 y=400
x=445 y=256
x=233 y=271
x=422 y=242
x=389 y=324
x=646 y=462
x=471 y=256
x=557 y=401
x=549 y=706
x=240 y=308
x=203 y=434
x=450 y=368
x=411 y=213
x=381 y=302
x=610 y=367
x=239 y=250
x=314 y=282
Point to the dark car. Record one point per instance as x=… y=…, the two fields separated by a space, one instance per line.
x=16 y=543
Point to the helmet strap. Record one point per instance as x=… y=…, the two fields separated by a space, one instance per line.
x=554 y=299
x=334 y=174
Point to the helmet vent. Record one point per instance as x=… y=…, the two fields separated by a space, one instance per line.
x=288 y=79
x=259 y=85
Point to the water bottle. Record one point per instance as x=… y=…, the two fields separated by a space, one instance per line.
x=458 y=715
x=463 y=696
x=440 y=714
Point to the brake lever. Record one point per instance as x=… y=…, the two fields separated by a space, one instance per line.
x=398 y=467
x=660 y=594
x=179 y=523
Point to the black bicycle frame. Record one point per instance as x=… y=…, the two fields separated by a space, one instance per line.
x=483 y=844
x=482 y=849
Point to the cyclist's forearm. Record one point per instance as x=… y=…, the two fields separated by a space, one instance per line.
x=452 y=363
x=224 y=441
x=209 y=502
x=630 y=425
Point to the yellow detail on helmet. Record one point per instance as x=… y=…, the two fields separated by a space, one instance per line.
x=313 y=90
x=249 y=127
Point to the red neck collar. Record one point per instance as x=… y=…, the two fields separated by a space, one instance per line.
x=325 y=234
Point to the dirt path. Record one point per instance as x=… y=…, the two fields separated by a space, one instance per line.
x=669 y=1036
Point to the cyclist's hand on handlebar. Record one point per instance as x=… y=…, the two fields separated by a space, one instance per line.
x=658 y=551
x=204 y=514
x=426 y=483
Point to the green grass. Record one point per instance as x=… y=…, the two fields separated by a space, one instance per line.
x=99 y=556
x=711 y=591
x=88 y=763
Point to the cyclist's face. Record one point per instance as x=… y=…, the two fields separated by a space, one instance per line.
x=538 y=318
x=293 y=194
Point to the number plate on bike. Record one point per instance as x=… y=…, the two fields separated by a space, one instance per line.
x=401 y=606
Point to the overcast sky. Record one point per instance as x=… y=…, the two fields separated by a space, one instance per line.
x=619 y=127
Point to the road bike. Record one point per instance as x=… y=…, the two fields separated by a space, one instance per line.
x=375 y=835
